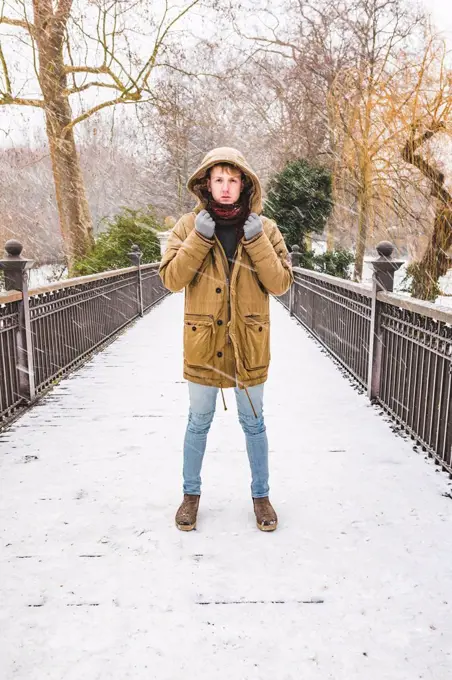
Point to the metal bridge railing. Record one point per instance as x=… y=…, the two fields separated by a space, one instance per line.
x=47 y=331
x=400 y=349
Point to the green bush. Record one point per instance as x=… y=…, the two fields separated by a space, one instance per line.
x=299 y=199
x=336 y=263
x=113 y=244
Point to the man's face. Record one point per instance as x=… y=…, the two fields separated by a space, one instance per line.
x=225 y=184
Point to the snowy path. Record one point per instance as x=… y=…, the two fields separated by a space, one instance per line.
x=96 y=583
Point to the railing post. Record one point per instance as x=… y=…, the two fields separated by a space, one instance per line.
x=135 y=257
x=15 y=268
x=382 y=280
x=162 y=237
x=295 y=256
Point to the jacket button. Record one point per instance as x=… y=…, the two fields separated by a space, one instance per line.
x=260 y=328
x=219 y=354
x=219 y=322
x=193 y=328
x=218 y=290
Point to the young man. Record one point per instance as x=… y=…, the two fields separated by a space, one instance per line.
x=228 y=259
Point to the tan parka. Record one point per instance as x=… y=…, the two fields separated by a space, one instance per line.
x=226 y=319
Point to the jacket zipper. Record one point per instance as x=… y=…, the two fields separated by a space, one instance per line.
x=229 y=310
x=228 y=281
x=226 y=269
x=228 y=278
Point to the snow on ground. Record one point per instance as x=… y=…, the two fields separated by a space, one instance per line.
x=97 y=583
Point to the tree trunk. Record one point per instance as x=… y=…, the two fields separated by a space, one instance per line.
x=365 y=179
x=73 y=209
x=330 y=236
x=363 y=226
x=334 y=152
x=435 y=261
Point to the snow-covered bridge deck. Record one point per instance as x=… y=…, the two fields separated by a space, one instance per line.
x=97 y=583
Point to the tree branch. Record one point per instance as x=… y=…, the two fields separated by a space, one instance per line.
x=5 y=71
x=81 y=88
x=18 y=22
x=413 y=144
x=85 y=69
x=132 y=99
x=147 y=68
x=97 y=70
x=171 y=67
x=6 y=100
x=435 y=176
x=109 y=55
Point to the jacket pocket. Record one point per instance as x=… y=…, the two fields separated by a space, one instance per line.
x=257 y=341
x=199 y=344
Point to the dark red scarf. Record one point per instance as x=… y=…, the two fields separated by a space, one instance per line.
x=232 y=215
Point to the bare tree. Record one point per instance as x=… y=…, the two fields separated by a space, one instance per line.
x=383 y=31
x=198 y=118
x=300 y=58
x=428 y=116
x=412 y=103
x=69 y=60
x=332 y=63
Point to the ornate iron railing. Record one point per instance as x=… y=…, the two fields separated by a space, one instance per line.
x=47 y=331
x=416 y=371
x=399 y=348
x=337 y=313
x=9 y=324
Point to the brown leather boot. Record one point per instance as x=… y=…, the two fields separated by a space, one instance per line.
x=187 y=512
x=266 y=518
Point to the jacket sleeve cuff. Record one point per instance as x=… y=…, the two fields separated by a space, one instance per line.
x=258 y=246
x=198 y=239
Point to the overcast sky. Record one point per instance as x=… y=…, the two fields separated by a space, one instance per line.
x=441 y=10
x=12 y=126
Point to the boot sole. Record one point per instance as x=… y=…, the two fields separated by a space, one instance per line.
x=186 y=527
x=267 y=527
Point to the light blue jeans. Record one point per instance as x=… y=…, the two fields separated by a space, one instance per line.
x=202 y=409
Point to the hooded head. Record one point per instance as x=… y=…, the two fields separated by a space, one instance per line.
x=197 y=184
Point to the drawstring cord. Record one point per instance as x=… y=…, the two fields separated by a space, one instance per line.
x=249 y=399
x=224 y=401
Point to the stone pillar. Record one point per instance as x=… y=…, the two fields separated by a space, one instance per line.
x=385 y=267
x=15 y=268
x=295 y=256
x=382 y=280
x=163 y=239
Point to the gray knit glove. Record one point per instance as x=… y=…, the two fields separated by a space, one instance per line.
x=204 y=224
x=253 y=226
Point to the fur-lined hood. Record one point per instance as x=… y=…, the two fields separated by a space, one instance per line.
x=197 y=184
